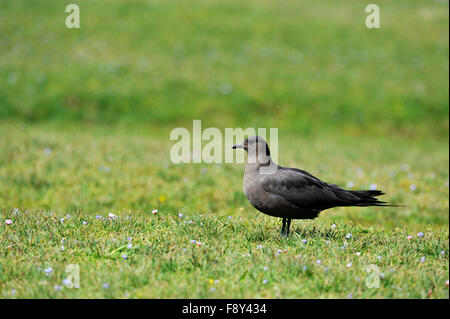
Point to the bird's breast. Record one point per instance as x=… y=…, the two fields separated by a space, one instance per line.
x=266 y=202
x=254 y=191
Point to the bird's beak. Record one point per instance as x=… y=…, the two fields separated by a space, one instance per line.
x=237 y=146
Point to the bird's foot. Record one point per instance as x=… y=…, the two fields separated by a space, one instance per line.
x=285 y=228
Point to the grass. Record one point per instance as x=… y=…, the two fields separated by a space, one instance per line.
x=163 y=263
x=47 y=173
x=231 y=63
x=85 y=120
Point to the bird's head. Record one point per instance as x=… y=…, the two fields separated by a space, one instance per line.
x=256 y=147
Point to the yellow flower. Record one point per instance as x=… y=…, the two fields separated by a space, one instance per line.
x=162 y=198
x=211 y=281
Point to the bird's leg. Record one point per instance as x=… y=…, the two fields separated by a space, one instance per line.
x=284 y=226
x=288 y=225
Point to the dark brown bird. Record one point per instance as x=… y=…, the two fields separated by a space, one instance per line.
x=291 y=193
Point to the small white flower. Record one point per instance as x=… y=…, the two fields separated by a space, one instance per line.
x=193 y=241
x=111 y=216
x=266 y=268
x=412 y=187
x=229 y=217
x=350 y=184
x=48 y=270
x=328 y=242
x=226 y=88
x=333 y=226
x=180 y=215
x=373 y=186
x=124 y=256
x=379 y=257
x=66 y=282
x=279 y=251
x=442 y=252
x=259 y=247
x=405 y=167
x=420 y=234
x=358 y=254
x=304 y=241
x=154 y=212
x=265 y=281
x=84 y=222
x=409 y=237
x=15 y=210
x=62 y=220
x=8 y=222
x=104 y=169
x=105 y=285
x=129 y=246
x=319 y=261
x=360 y=172
x=422 y=259
x=348 y=236
x=349 y=265
x=57 y=287
x=129 y=238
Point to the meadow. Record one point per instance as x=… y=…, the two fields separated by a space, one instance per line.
x=85 y=119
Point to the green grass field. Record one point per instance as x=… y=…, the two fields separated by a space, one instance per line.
x=85 y=119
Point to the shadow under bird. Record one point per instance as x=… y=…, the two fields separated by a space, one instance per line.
x=291 y=193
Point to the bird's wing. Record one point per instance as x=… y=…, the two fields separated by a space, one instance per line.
x=304 y=190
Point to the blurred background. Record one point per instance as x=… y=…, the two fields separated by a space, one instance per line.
x=297 y=65
x=85 y=114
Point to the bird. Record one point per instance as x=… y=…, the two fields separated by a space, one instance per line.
x=291 y=193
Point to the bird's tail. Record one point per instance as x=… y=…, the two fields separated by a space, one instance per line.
x=368 y=198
